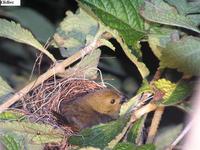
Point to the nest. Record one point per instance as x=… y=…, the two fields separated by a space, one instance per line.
x=41 y=101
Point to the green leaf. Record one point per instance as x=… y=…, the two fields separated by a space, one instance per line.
x=87 y=67
x=40 y=26
x=5 y=90
x=34 y=132
x=74 y=32
x=15 y=32
x=151 y=12
x=167 y=135
x=130 y=146
x=184 y=7
x=173 y=93
x=158 y=39
x=183 y=55
x=125 y=146
x=140 y=65
x=10 y=142
x=122 y=15
x=11 y=115
x=135 y=132
x=99 y=136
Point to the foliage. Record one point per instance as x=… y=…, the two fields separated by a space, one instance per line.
x=170 y=27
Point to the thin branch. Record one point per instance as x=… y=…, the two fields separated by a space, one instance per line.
x=58 y=68
x=154 y=124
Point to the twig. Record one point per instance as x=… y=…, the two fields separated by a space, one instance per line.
x=181 y=136
x=58 y=68
x=154 y=124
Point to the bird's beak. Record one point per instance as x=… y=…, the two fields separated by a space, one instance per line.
x=123 y=99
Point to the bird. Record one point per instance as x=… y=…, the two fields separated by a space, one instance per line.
x=99 y=106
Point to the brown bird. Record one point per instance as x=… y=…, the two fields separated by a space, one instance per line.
x=93 y=108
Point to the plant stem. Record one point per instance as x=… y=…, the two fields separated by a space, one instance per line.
x=155 y=123
x=58 y=68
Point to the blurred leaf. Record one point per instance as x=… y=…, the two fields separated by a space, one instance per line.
x=87 y=67
x=11 y=115
x=151 y=12
x=185 y=106
x=74 y=32
x=195 y=18
x=166 y=136
x=10 y=143
x=15 y=32
x=136 y=131
x=159 y=38
x=185 y=7
x=130 y=146
x=184 y=55
x=5 y=90
x=40 y=26
x=125 y=146
x=122 y=15
x=34 y=132
x=99 y=136
x=173 y=93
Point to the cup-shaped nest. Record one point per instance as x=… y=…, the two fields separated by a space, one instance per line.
x=40 y=103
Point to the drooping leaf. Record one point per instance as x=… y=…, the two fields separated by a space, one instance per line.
x=36 y=133
x=15 y=32
x=99 y=136
x=40 y=26
x=74 y=32
x=140 y=65
x=122 y=15
x=5 y=90
x=150 y=12
x=159 y=38
x=183 y=55
x=173 y=93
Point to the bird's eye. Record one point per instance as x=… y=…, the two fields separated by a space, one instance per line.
x=112 y=101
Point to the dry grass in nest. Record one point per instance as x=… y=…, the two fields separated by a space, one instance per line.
x=41 y=101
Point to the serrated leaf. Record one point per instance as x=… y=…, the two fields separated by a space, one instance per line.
x=5 y=90
x=40 y=26
x=36 y=133
x=15 y=32
x=74 y=32
x=99 y=136
x=183 y=55
x=173 y=93
x=151 y=12
x=122 y=15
